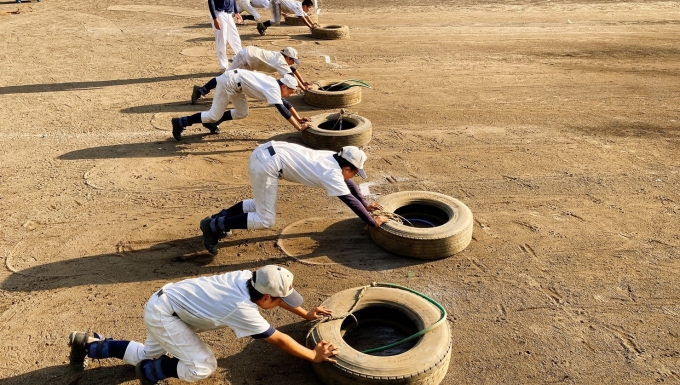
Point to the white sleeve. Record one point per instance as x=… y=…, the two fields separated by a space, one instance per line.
x=246 y=321
x=335 y=185
x=273 y=95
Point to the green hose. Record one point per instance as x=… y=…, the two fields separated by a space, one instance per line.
x=420 y=333
x=361 y=84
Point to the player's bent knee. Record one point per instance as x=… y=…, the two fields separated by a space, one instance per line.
x=236 y=115
x=268 y=222
x=198 y=371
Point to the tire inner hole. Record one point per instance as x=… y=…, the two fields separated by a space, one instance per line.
x=335 y=124
x=333 y=26
x=422 y=215
x=335 y=87
x=379 y=326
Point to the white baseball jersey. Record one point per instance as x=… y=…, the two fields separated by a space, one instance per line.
x=216 y=302
x=313 y=168
x=259 y=3
x=262 y=60
x=291 y=6
x=260 y=86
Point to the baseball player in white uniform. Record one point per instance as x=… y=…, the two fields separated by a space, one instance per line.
x=250 y=6
x=175 y=314
x=224 y=27
x=299 y=9
x=257 y=59
x=280 y=160
x=233 y=86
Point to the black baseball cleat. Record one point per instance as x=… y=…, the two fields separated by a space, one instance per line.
x=139 y=372
x=177 y=128
x=214 y=128
x=78 y=343
x=209 y=239
x=261 y=29
x=196 y=94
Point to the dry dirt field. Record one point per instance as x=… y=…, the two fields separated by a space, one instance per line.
x=556 y=122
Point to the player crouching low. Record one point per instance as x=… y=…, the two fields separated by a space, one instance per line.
x=175 y=314
x=234 y=86
x=299 y=9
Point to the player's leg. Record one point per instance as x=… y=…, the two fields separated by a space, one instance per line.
x=275 y=10
x=221 y=38
x=200 y=92
x=232 y=36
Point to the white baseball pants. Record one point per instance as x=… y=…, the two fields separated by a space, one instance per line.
x=264 y=178
x=240 y=60
x=275 y=9
x=245 y=5
x=169 y=334
x=227 y=34
x=227 y=90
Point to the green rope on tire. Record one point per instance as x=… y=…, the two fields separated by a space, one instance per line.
x=418 y=334
x=348 y=86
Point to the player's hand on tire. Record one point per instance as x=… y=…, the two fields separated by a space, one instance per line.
x=318 y=312
x=380 y=219
x=304 y=126
x=217 y=24
x=305 y=119
x=323 y=351
x=373 y=206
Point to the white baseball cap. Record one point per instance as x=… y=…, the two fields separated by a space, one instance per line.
x=355 y=156
x=289 y=81
x=277 y=282
x=291 y=53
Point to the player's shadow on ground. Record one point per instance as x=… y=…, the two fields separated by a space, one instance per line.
x=65 y=375
x=171 y=147
x=200 y=25
x=72 y=86
x=274 y=366
x=153 y=149
x=142 y=261
x=186 y=107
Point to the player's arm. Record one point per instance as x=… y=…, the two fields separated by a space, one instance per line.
x=310 y=315
x=308 y=22
x=288 y=115
x=323 y=351
x=303 y=84
x=213 y=13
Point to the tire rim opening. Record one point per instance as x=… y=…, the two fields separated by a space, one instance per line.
x=335 y=87
x=379 y=326
x=333 y=26
x=422 y=215
x=338 y=124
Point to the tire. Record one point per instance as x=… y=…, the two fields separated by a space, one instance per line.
x=425 y=363
x=331 y=32
x=444 y=240
x=334 y=140
x=332 y=99
x=297 y=21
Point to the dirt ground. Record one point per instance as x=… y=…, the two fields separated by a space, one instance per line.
x=556 y=122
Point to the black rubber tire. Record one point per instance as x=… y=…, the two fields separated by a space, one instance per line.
x=425 y=363
x=332 y=99
x=297 y=21
x=334 y=140
x=425 y=243
x=331 y=32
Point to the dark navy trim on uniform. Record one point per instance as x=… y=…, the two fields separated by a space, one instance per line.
x=228 y=6
x=283 y=111
x=286 y=104
x=268 y=333
x=353 y=203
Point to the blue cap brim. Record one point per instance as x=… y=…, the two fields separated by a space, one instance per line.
x=294 y=299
